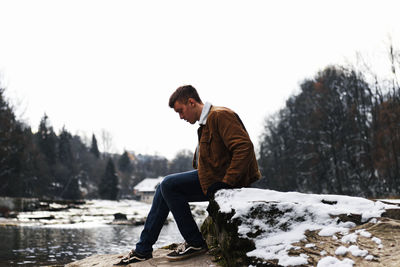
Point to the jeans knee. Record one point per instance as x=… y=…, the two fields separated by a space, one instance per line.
x=166 y=185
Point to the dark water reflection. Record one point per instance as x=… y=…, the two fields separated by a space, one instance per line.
x=40 y=246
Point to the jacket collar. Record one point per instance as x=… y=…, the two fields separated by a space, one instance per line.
x=204 y=113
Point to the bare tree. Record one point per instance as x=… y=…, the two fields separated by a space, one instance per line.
x=106 y=141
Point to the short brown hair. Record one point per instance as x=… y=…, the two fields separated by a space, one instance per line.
x=182 y=94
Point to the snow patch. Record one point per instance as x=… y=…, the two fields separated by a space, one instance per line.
x=364 y=233
x=334 y=262
x=377 y=241
x=357 y=252
x=342 y=250
x=350 y=238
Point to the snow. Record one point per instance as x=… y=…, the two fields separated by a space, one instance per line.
x=98 y=213
x=373 y=220
x=334 y=262
x=342 y=250
x=301 y=212
x=394 y=201
x=243 y=198
x=91 y=214
x=357 y=252
x=377 y=240
x=369 y=257
x=364 y=233
x=148 y=184
x=350 y=238
x=353 y=249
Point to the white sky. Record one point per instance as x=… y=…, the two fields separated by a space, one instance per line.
x=93 y=65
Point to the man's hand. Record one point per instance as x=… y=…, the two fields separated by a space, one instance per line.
x=215 y=187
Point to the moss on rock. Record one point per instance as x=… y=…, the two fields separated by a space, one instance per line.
x=219 y=229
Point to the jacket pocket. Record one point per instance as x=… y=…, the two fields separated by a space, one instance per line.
x=205 y=144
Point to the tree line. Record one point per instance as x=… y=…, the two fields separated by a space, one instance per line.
x=45 y=164
x=340 y=134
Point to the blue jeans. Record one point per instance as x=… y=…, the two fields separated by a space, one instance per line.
x=173 y=194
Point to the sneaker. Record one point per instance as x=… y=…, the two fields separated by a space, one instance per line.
x=184 y=251
x=133 y=257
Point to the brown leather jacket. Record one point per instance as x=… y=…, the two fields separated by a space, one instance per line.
x=226 y=152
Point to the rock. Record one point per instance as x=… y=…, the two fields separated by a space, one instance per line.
x=120 y=216
x=121 y=219
x=157 y=260
x=4 y=212
x=252 y=228
x=50 y=217
x=219 y=230
x=133 y=221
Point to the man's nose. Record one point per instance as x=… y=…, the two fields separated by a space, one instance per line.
x=181 y=116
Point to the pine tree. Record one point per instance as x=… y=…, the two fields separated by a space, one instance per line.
x=72 y=190
x=47 y=140
x=94 y=148
x=65 y=150
x=108 y=187
x=11 y=151
x=124 y=163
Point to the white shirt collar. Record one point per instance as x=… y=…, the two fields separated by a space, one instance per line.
x=204 y=113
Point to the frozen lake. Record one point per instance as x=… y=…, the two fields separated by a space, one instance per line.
x=78 y=233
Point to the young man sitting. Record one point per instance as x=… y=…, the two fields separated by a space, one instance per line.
x=224 y=158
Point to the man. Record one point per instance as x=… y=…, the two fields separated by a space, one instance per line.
x=224 y=159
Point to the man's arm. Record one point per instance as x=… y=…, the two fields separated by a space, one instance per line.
x=237 y=140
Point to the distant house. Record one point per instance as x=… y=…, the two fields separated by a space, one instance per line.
x=145 y=189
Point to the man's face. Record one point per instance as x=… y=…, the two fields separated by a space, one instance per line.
x=186 y=111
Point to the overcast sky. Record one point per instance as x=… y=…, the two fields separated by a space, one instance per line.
x=112 y=65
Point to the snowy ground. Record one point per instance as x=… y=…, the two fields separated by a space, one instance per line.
x=95 y=213
x=92 y=213
x=301 y=212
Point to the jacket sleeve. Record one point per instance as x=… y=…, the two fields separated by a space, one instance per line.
x=237 y=141
x=194 y=159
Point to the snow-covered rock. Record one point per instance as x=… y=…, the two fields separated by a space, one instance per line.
x=255 y=227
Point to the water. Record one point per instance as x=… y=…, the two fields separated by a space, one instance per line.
x=40 y=246
x=77 y=233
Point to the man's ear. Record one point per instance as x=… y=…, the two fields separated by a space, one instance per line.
x=192 y=102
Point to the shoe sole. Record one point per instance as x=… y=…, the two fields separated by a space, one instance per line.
x=133 y=259
x=187 y=256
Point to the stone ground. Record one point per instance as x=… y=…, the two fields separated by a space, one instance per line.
x=388 y=255
x=157 y=260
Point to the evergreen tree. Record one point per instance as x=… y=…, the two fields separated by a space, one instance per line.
x=37 y=178
x=11 y=151
x=68 y=169
x=124 y=163
x=108 y=187
x=65 y=149
x=47 y=140
x=72 y=190
x=94 y=148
